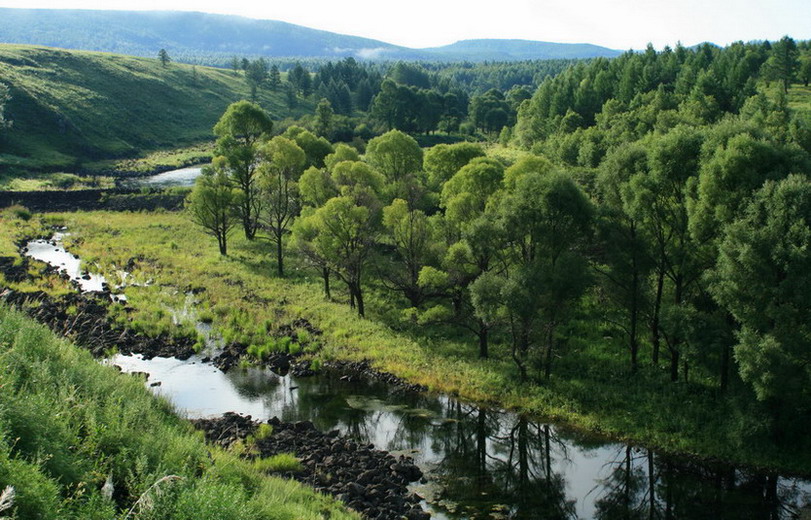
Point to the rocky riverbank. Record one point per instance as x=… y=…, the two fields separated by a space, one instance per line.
x=370 y=481
x=84 y=319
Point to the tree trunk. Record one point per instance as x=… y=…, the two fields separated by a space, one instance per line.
x=657 y=306
x=725 y=355
x=550 y=342
x=325 y=275
x=674 y=365
x=359 y=300
x=483 y=345
x=221 y=240
x=634 y=319
x=279 y=257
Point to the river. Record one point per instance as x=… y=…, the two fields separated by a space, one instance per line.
x=482 y=463
x=182 y=177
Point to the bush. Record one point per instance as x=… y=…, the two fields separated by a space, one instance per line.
x=20 y=212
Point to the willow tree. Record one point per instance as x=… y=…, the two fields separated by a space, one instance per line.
x=240 y=130
x=281 y=164
x=544 y=221
x=341 y=234
x=211 y=203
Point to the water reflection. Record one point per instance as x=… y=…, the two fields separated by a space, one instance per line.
x=488 y=464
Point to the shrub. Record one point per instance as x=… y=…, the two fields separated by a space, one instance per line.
x=20 y=212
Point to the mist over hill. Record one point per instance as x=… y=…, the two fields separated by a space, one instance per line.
x=214 y=39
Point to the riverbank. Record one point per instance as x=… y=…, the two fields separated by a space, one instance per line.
x=242 y=299
x=112 y=447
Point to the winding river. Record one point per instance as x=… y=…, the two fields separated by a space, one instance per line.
x=482 y=463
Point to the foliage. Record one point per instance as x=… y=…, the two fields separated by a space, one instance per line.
x=211 y=204
x=762 y=270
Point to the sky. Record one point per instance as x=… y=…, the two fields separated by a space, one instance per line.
x=617 y=24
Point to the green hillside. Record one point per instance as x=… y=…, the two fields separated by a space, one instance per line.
x=70 y=108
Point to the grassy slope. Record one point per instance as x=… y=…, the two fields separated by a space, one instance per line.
x=590 y=387
x=67 y=422
x=70 y=107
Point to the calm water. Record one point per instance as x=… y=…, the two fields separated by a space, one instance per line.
x=181 y=177
x=483 y=464
x=479 y=464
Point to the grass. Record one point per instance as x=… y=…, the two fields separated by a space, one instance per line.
x=281 y=463
x=69 y=424
x=590 y=387
x=73 y=109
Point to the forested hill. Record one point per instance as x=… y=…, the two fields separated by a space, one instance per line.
x=508 y=50
x=213 y=39
x=70 y=107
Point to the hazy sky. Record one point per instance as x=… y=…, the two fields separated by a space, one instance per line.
x=619 y=24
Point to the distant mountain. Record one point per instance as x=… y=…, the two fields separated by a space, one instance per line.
x=509 y=50
x=214 y=39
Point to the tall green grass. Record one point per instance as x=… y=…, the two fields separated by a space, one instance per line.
x=68 y=424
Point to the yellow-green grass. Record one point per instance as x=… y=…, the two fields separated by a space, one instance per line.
x=590 y=387
x=799 y=99
x=68 y=424
x=71 y=109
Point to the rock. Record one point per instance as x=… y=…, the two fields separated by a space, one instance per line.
x=368 y=480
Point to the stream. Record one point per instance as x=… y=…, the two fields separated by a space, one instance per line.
x=182 y=177
x=479 y=463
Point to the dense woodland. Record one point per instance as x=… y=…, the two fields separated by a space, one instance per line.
x=662 y=198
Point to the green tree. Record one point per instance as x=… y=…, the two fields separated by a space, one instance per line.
x=211 y=203
x=300 y=79
x=783 y=63
x=316 y=187
x=343 y=152
x=763 y=273
x=274 y=78
x=466 y=194
x=315 y=148
x=282 y=162
x=324 y=118
x=164 y=58
x=235 y=65
x=256 y=75
x=465 y=260
x=410 y=233
x=543 y=222
x=804 y=72
x=444 y=160
x=626 y=260
x=239 y=132
x=395 y=154
x=341 y=234
x=658 y=200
